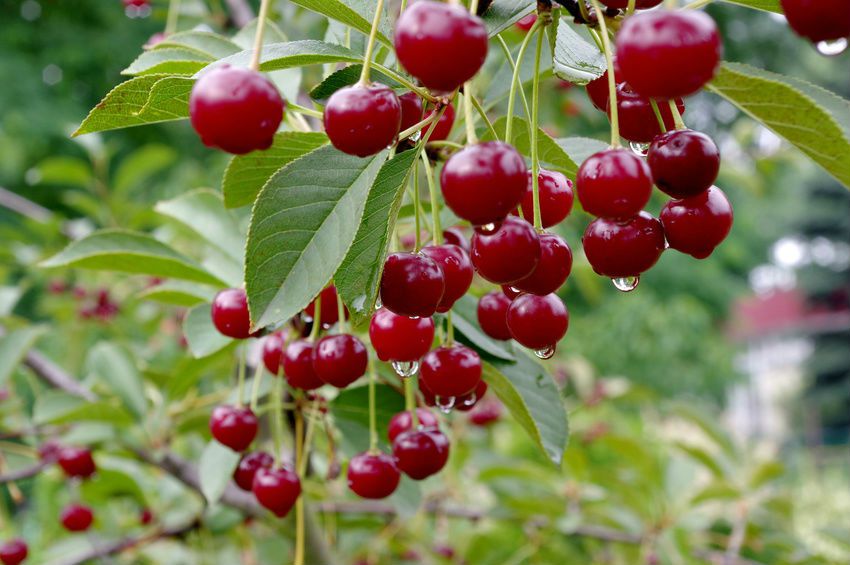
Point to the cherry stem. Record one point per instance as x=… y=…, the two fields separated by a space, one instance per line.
x=398 y=77
x=435 y=204
x=317 y=318
x=697 y=4
x=467 y=113
x=535 y=118
x=370 y=47
x=446 y=143
x=373 y=417
x=303 y=110
x=612 y=81
x=410 y=400
x=515 y=80
x=417 y=209
x=658 y=115
x=340 y=312
x=630 y=7
x=450 y=329
x=240 y=383
x=473 y=7
x=480 y=109
x=259 y=373
x=173 y=14
x=277 y=428
x=677 y=116
x=417 y=126
x=506 y=50
x=299 y=504
x=258 y=37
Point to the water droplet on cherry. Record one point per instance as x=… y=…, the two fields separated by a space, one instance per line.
x=626 y=284
x=832 y=47
x=470 y=399
x=445 y=404
x=545 y=353
x=405 y=369
x=488 y=229
x=639 y=149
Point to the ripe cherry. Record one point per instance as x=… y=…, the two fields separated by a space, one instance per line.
x=329 y=312
x=230 y=313
x=468 y=401
x=145 y=516
x=538 y=322
x=485 y=182
x=13 y=552
x=403 y=421
x=444 y=124
x=233 y=426
x=451 y=371
x=48 y=452
x=623 y=248
x=421 y=453
x=76 y=518
x=412 y=284
x=455 y=236
x=76 y=462
x=493 y=315
x=556 y=198
x=373 y=475
x=683 y=162
x=821 y=20
x=273 y=352
x=667 y=54
x=277 y=489
x=556 y=262
x=640 y=4
x=298 y=365
x=614 y=183
x=457 y=272
x=697 y=225
x=399 y=338
x=510 y=291
x=442 y=45
x=237 y=110
x=362 y=120
x=486 y=414
x=527 y=22
x=248 y=466
x=638 y=122
x=509 y=254
x=597 y=89
x=339 y=360
x=412 y=111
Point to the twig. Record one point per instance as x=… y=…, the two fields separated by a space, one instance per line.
x=21 y=474
x=55 y=376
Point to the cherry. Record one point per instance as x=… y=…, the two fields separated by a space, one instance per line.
x=821 y=20
x=493 y=315
x=145 y=516
x=556 y=262
x=451 y=371
x=421 y=453
x=457 y=271
x=527 y=22
x=556 y=197
x=510 y=291
x=538 y=322
x=339 y=360
x=399 y=338
x=442 y=45
x=597 y=89
x=486 y=414
x=623 y=248
x=233 y=426
x=13 y=552
x=683 y=162
x=136 y=3
x=298 y=365
x=614 y=183
x=273 y=352
x=76 y=462
x=444 y=124
x=76 y=518
x=230 y=313
x=638 y=122
x=485 y=182
x=698 y=224
x=277 y=489
x=455 y=236
x=412 y=111
x=428 y=397
x=48 y=452
x=236 y=110
x=412 y=284
x=248 y=466
x=373 y=475
x=329 y=313
x=507 y=255
x=668 y=53
x=640 y=4
x=403 y=421
x=468 y=401
x=362 y=120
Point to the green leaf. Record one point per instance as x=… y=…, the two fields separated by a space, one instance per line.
x=141 y=165
x=766 y=473
x=303 y=224
x=168 y=61
x=114 y=367
x=552 y=155
x=357 y=14
x=14 y=346
x=9 y=297
x=244 y=38
x=358 y=277
x=112 y=483
x=64 y=171
x=203 y=338
x=206 y=43
x=766 y=5
x=178 y=293
x=502 y=14
x=534 y=401
x=351 y=413
x=215 y=470
x=708 y=426
x=812 y=119
x=246 y=174
x=202 y=211
x=708 y=460
x=465 y=320
x=714 y=492
x=57 y=407
x=575 y=59
x=129 y=252
x=290 y=54
x=346 y=77
x=580 y=148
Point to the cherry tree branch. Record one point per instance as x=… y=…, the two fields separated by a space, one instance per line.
x=21 y=474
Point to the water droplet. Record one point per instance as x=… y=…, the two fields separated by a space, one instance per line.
x=626 y=284
x=545 y=353
x=378 y=303
x=488 y=229
x=405 y=369
x=470 y=399
x=416 y=136
x=639 y=149
x=515 y=290
x=832 y=47
x=445 y=404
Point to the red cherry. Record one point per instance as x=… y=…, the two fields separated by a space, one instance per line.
x=493 y=315
x=457 y=271
x=442 y=45
x=455 y=236
x=277 y=489
x=236 y=110
x=698 y=224
x=428 y=397
x=485 y=182
x=230 y=313
x=507 y=255
x=77 y=518
x=339 y=360
x=298 y=366
x=637 y=118
x=683 y=162
x=248 y=466
x=76 y=462
x=273 y=352
x=412 y=111
x=614 y=183
x=373 y=475
x=13 y=552
x=486 y=414
x=412 y=284
x=623 y=248
x=136 y=3
x=639 y=5
x=362 y=120
x=234 y=427
x=510 y=291
x=818 y=20
x=399 y=338
x=468 y=401
x=330 y=313
x=444 y=124
x=538 y=322
x=668 y=53
x=556 y=262
x=145 y=516
x=403 y=421
x=597 y=89
x=451 y=371
x=49 y=451
x=556 y=198
x=421 y=453
x=526 y=22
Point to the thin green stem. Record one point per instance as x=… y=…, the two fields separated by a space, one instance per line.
x=658 y=116
x=515 y=80
x=507 y=52
x=677 y=116
x=403 y=7
x=173 y=15
x=410 y=399
x=277 y=427
x=467 y=113
x=370 y=47
x=435 y=204
x=405 y=82
x=446 y=143
x=340 y=312
x=417 y=126
x=258 y=37
x=697 y=4
x=535 y=120
x=373 y=417
x=240 y=383
x=477 y=105
x=596 y=39
x=630 y=7
x=417 y=209
x=473 y=7
x=259 y=373
x=450 y=329
x=299 y=503
x=612 y=84
x=302 y=110
x=582 y=7
x=317 y=319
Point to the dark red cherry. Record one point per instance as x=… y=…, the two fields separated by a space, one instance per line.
x=640 y=4
x=510 y=291
x=362 y=120
x=667 y=54
x=485 y=182
x=486 y=414
x=638 y=122
x=493 y=315
x=455 y=236
x=444 y=124
x=818 y=20
x=403 y=421
x=230 y=313
x=556 y=262
x=421 y=453
x=442 y=45
x=527 y=22
x=145 y=516
x=248 y=466
x=273 y=352
x=412 y=111
x=683 y=162
x=468 y=401
x=49 y=451
x=330 y=313
x=298 y=365
x=623 y=248
x=614 y=183
x=373 y=475
x=13 y=552
x=428 y=397
x=451 y=371
x=339 y=360
x=698 y=224
x=76 y=518
x=412 y=284
x=76 y=462
x=556 y=198
x=233 y=426
x=399 y=338
x=509 y=254
x=538 y=322
x=237 y=110
x=277 y=489
x=457 y=271
x=597 y=89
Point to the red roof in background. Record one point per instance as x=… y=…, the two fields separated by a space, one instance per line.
x=781 y=311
